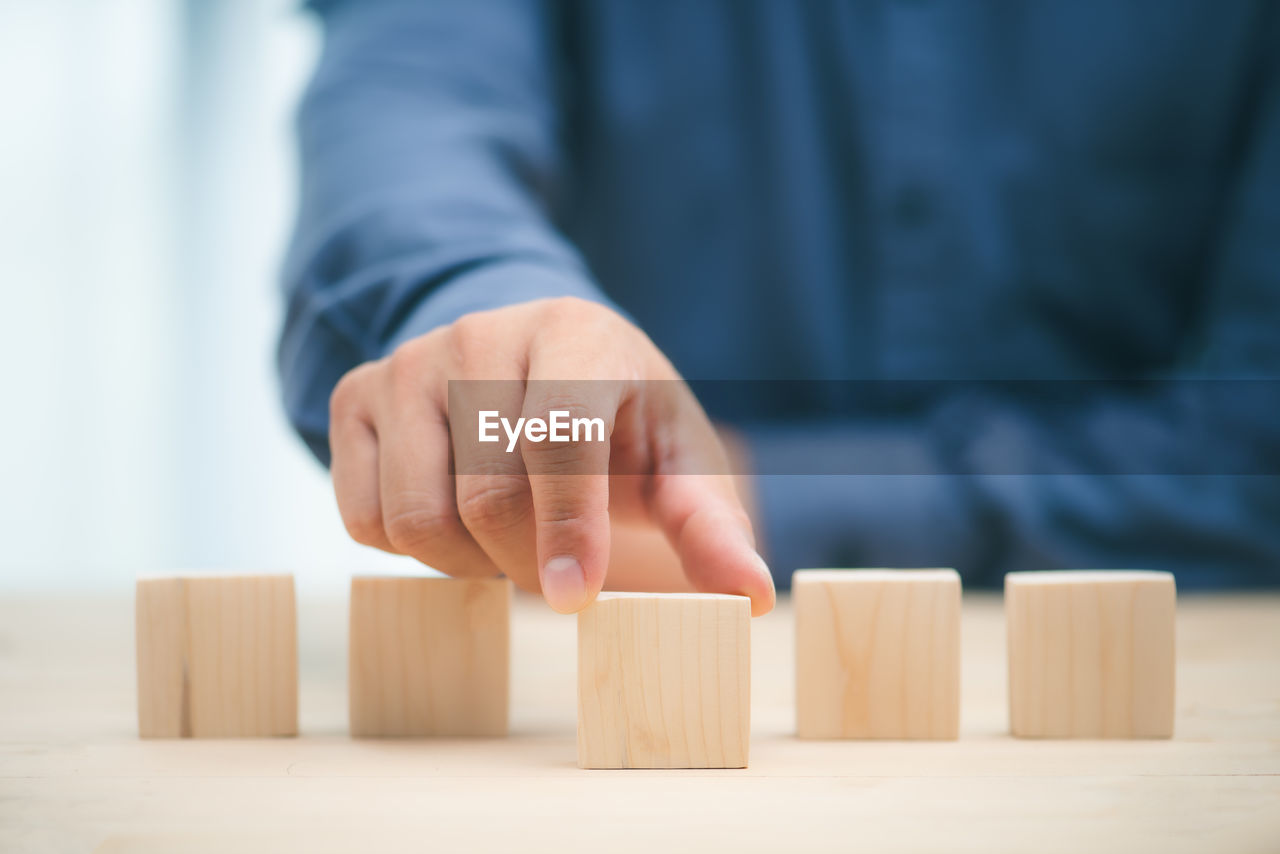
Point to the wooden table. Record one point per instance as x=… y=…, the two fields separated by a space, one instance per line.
x=74 y=776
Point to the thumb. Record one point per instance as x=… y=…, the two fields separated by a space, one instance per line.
x=705 y=522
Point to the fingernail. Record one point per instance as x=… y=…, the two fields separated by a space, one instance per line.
x=564 y=584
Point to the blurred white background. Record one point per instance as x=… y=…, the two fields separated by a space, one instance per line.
x=146 y=192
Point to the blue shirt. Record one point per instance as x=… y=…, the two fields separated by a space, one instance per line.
x=826 y=191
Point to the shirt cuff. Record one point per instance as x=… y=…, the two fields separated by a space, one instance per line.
x=491 y=286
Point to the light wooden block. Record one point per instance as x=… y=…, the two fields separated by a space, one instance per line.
x=429 y=656
x=1091 y=653
x=217 y=656
x=664 y=681
x=877 y=653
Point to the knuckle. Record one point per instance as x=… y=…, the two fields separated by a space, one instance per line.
x=365 y=528
x=574 y=308
x=543 y=458
x=576 y=399
x=561 y=513
x=563 y=397
x=405 y=366
x=575 y=451
x=741 y=518
x=470 y=337
x=470 y=327
x=582 y=317
x=572 y=500
x=496 y=504
x=344 y=400
x=422 y=532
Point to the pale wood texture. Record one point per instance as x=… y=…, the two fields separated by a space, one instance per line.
x=75 y=776
x=1091 y=654
x=217 y=656
x=877 y=653
x=664 y=681
x=429 y=656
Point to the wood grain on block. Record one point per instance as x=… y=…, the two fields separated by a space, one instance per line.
x=877 y=653
x=664 y=681
x=217 y=656
x=429 y=656
x=1091 y=653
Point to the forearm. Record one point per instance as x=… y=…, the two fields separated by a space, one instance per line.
x=428 y=153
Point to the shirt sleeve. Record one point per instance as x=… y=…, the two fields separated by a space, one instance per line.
x=429 y=171
x=1182 y=475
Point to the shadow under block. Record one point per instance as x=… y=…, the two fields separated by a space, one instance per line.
x=877 y=653
x=217 y=656
x=1091 y=653
x=664 y=681
x=429 y=656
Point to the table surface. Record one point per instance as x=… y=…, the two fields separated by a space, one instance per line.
x=75 y=777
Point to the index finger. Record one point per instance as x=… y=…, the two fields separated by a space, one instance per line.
x=565 y=446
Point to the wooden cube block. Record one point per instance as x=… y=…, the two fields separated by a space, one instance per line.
x=217 y=656
x=877 y=653
x=1091 y=654
x=429 y=656
x=664 y=681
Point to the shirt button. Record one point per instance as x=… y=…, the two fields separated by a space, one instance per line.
x=913 y=206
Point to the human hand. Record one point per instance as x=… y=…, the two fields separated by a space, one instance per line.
x=540 y=516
